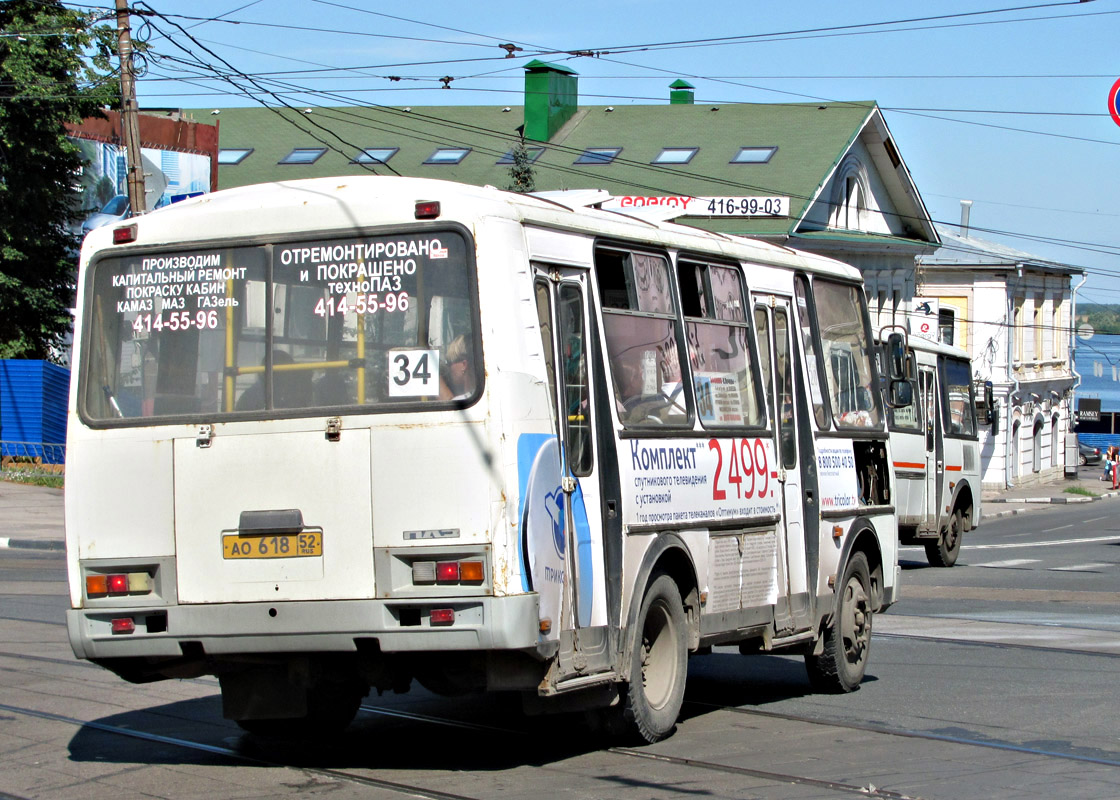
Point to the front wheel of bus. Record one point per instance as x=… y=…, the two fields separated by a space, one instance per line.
x=944 y=552
x=658 y=667
x=847 y=640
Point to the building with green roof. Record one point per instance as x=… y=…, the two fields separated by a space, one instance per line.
x=825 y=177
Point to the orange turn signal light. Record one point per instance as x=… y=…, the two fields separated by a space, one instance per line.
x=97 y=584
x=471 y=571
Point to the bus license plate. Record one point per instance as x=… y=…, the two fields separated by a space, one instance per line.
x=283 y=545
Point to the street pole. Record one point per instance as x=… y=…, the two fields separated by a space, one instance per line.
x=130 y=122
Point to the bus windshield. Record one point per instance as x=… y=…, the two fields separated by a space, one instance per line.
x=373 y=322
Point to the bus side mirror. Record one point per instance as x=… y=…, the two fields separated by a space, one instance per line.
x=993 y=416
x=989 y=395
x=901 y=393
x=896 y=357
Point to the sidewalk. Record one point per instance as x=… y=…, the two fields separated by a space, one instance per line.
x=31 y=517
x=1017 y=500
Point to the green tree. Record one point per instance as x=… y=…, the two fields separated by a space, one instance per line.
x=521 y=172
x=54 y=69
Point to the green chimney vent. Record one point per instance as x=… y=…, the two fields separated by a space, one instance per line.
x=551 y=98
x=682 y=94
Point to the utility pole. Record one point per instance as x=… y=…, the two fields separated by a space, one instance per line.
x=130 y=122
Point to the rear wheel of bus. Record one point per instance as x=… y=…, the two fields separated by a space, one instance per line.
x=652 y=700
x=847 y=640
x=944 y=552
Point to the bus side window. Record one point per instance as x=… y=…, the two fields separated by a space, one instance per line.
x=719 y=345
x=641 y=338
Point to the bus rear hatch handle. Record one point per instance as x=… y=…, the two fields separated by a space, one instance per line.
x=205 y=436
x=287 y=520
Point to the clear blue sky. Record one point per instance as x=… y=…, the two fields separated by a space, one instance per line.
x=1006 y=109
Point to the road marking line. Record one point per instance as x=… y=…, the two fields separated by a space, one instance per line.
x=1011 y=562
x=1059 y=528
x=1094 y=540
x=1095 y=519
x=1080 y=567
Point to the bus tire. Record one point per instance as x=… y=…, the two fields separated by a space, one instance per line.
x=944 y=552
x=658 y=667
x=841 y=665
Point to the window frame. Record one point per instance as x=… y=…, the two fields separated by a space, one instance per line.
x=943 y=362
x=291 y=160
x=363 y=157
x=432 y=160
x=658 y=159
x=589 y=158
x=270 y=338
x=244 y=151
x=770 y=150
x=761 y=398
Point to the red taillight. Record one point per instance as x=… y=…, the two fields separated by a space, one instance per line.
x=443 y=616
x=427 y=209
x=447 y=572
x=124 y=625
x=124 y=235
x=118 y=584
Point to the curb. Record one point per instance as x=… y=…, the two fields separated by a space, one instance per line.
x=1037 y=501
x=53 y=545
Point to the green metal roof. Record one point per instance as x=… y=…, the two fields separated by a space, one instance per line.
x=811 y=138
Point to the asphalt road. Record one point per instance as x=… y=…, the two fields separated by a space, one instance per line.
x=998 y=678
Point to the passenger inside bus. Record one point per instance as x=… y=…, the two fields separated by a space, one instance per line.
x=459 y=372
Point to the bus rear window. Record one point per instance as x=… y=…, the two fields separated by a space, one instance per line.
x=368 y=321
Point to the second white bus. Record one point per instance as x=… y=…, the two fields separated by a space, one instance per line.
x=936 y=451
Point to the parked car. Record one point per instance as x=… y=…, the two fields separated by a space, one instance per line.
x=113 y=211
x=1087 y=454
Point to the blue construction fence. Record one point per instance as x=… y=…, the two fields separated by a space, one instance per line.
x=33 y=398
x=1101 y=441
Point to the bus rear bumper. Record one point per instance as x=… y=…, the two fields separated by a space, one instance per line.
x=479 y=623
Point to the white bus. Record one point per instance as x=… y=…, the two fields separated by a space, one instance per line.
x=936 y=451
x=343 y=434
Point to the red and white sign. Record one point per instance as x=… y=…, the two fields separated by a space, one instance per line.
x=705 y=206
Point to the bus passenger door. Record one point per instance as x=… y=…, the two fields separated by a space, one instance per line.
x=563 y=524
x=793 y=611
x=935 y=457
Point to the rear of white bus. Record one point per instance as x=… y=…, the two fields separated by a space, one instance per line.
x=280 y=466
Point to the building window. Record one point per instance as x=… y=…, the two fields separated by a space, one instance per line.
x=1037 y=355
x=946 y=325
x=1017 y=329
x=532 y=152
x=1056 y=337
x=598 y=155
x=675 y=155
x=233 y=155
x=303 y=155
x=448 y=155
x=375 y=155
x=754 y=155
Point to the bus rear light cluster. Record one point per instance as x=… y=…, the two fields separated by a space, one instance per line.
x=448 y=572
x=118 y=584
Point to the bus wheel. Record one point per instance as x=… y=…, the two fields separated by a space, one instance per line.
x=944 y=552
x=847 y=641
x=658 y=667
